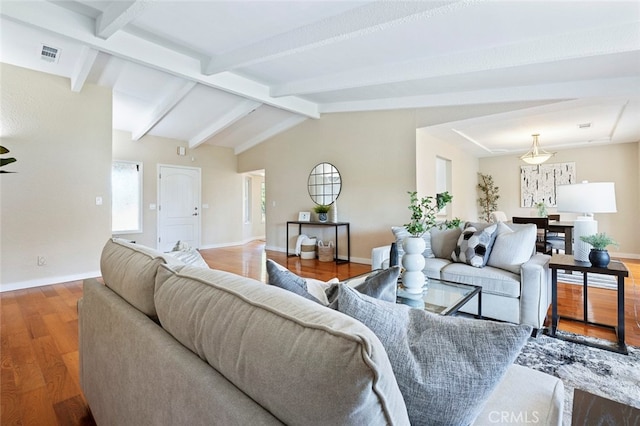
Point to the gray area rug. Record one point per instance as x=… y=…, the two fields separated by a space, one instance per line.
x=600 y=372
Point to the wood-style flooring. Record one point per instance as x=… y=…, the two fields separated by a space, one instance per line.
x=39 y=332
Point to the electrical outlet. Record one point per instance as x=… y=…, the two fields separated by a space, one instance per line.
x=42 y=260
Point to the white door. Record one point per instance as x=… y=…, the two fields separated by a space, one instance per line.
x=178 y=206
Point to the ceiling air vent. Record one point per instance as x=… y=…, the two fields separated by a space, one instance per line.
x=584 y=125
x=49 y=54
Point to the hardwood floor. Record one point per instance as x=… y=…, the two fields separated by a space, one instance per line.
x=39 y=332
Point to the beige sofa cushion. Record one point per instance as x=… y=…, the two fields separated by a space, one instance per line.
x=303 y=362
x=130 y=270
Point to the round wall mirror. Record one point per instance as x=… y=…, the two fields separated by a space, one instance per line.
x=324 y=184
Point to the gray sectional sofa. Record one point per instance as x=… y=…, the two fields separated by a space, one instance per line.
x=516 y=281
x=164 y=343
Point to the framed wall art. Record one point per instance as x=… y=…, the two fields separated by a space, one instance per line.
x=538 y=183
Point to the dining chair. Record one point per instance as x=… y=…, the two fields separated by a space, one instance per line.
x=542 y=223
x=556 y=239
x=497 y=216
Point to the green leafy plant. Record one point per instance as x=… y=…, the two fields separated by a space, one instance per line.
x=424 y=211
x=488 y=201
x=599 y=241
x=542 y=209
x=5 y=161
x=321 y=208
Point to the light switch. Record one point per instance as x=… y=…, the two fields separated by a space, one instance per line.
x=152 y=206
x=205 y=206
x=98 y=201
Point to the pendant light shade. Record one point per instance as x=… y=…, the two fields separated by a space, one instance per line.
x=536 y=155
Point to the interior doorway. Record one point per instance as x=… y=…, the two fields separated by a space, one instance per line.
x=179 y=209
x=254 y=205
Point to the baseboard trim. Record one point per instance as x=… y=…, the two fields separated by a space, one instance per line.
x=362 y=260
x=21 y=285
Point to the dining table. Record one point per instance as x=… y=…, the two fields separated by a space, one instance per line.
x=566 y=228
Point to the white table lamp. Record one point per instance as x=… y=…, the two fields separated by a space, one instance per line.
x=586 y=198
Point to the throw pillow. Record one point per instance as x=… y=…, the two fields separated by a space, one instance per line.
x=287 y=280
x=446 y=367
x=475 y=245
x=381 y=285
x=443 y=241
x=512 y=247
x=189 y=256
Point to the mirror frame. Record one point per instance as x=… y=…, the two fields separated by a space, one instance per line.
x=324 y=184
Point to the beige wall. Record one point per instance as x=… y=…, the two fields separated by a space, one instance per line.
x=611 y=163
x=255 y=229
x=381 y=156
x=62 y=141
x=375 y=153
x=464 y=172
x=222 y=222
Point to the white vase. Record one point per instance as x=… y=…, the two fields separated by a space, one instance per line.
x=413 y=278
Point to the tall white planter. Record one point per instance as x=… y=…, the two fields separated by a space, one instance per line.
x=413 y=278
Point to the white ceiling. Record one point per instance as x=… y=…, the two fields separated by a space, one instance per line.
x=482 y=74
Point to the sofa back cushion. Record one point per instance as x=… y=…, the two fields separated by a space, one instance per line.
x=303 y=362
x=444 y=241
x=130 y=270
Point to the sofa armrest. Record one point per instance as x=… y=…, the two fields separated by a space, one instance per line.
x=380 y=257
x=535 y=290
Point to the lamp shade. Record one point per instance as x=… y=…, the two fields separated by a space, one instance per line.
x=588 y=197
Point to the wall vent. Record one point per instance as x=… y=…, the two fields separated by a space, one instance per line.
x=584 y=125
x=49 y=54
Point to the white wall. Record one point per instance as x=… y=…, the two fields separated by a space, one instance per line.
x=62 y=141
x=611 y=163
x=222 y=222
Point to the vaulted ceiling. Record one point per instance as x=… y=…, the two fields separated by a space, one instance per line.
x=234 y=73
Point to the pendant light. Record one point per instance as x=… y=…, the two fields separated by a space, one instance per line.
x=536 y=155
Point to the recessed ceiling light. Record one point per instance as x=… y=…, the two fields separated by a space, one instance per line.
x=584 y=125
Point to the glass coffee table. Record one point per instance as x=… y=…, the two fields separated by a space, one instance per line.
x=441 y=297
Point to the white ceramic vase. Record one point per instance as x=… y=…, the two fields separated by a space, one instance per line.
x=413 y=278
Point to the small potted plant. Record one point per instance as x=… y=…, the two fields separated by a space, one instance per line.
x=423 y=218
x=599 y=256
x=322 y=210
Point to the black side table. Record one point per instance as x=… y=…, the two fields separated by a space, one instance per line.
x=335 y=225
x=568 y=263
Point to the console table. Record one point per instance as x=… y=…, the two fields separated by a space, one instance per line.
x=568 y=263
x=335 y=225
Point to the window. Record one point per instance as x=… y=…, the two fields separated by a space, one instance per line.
x=263 y=200
x=247 y=200
x=126 y=196
x=443 y=179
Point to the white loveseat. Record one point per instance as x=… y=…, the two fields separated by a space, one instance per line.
x=516 y=283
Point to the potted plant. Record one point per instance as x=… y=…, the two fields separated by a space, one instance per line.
x=424 y=211
x=542 y=209
x=599 y=256
x=423 y=218
x=489 y=199
x=322 y=210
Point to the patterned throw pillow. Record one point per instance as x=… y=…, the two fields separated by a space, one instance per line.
x=474 y=246
x=446 y=367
